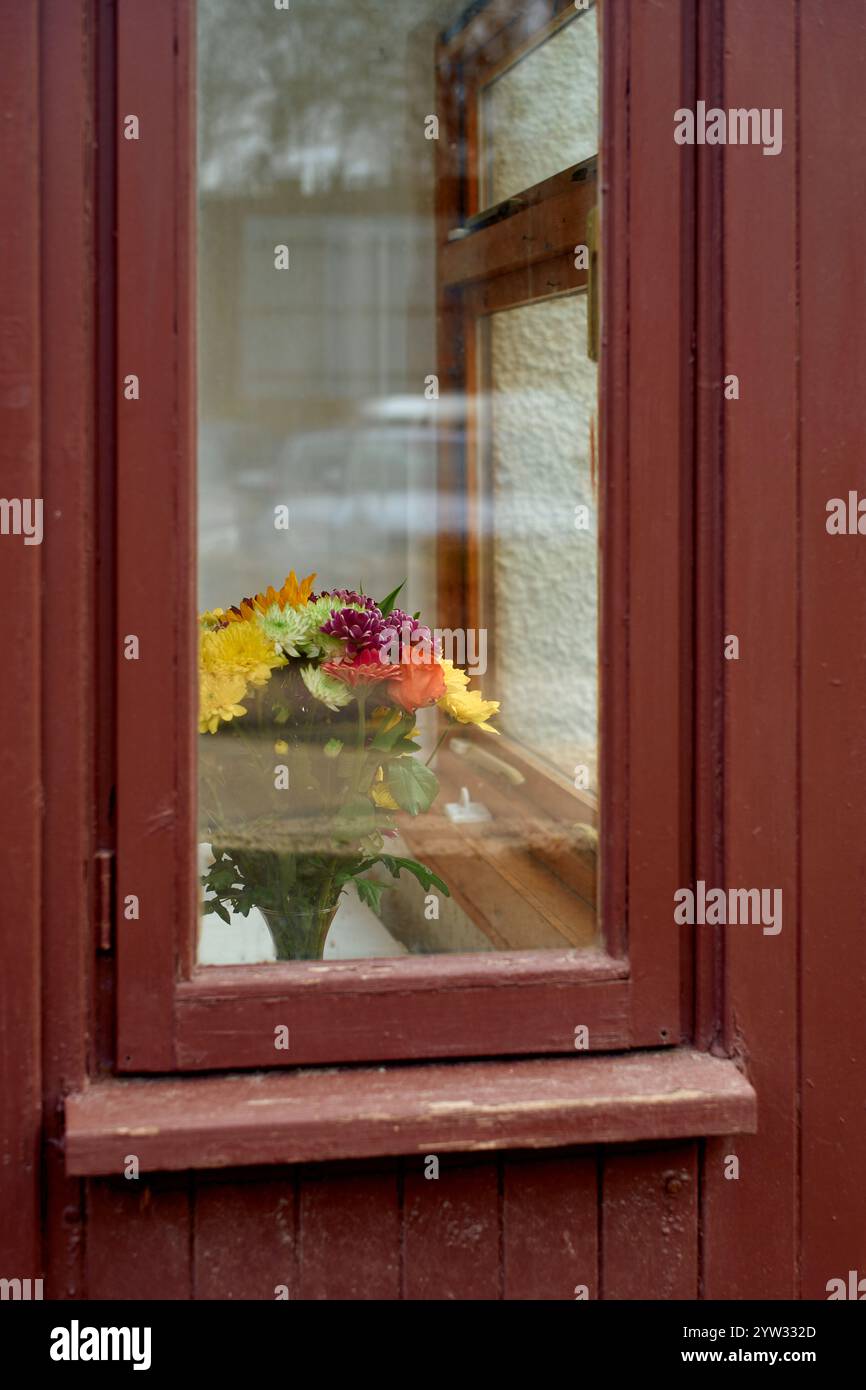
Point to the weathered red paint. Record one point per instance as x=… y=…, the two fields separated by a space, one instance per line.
x=759 y=827
x=451 y=1225
x=778 y=789
x=649 y=1204
x=68 y=738
x=20 y=583
x=279 y=1117
x=832 y=666
x=550 y=1226
x=245 y=1235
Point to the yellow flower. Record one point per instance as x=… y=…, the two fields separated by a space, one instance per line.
x=455 y=679
x=294 y=593
x=383 y=718
x=219 y=699
x=468 y=707
x=381 y=794
x=211 y=619
x=383 y=798
x=241 y=649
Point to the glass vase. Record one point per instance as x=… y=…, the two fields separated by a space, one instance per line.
x=299 y=930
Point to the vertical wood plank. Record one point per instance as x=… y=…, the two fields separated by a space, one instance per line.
x=650 y=1224
x=155 y=560
x=706 y=950
x=349 y=1233
x=138 y=1239
x=613 y=407
x=20 y=581
x=451 y=1230
x=66 y=35
x=550 y=1226
x=660 y=263
x=744 y=1257
x=244 y=1236
x=833 y=422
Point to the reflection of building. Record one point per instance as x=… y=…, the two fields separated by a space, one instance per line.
x=291 y=364
x=312 y=137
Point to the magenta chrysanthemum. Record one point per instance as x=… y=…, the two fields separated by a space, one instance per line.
x=360 y=631
x=344 y=598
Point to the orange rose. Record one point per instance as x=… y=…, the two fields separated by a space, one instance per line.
x=416 y=685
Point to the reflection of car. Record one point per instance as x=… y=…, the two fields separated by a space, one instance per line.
x=363 y=503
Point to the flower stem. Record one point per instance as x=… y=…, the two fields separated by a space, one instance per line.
x=442 y=739
x=362 y=722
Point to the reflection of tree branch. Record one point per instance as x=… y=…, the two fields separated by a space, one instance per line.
x=331 y=87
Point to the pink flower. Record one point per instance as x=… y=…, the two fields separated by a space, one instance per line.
x=365 y=669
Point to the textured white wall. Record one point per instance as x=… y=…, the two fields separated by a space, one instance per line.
x=545 y=572
x=541 y=115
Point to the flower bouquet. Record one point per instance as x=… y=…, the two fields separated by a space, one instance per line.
x=314 y=698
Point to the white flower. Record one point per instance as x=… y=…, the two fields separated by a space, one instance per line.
x=321 y=686
x=285 y=627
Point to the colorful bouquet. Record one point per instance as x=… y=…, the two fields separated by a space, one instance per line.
x=314 y=697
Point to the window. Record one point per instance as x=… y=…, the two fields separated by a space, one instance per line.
x=399 y=367
x=345 y=431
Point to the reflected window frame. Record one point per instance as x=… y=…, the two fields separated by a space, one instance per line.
x=515 y=253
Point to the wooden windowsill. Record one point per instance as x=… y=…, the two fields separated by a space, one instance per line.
x=362 y=1112
x=526 y=878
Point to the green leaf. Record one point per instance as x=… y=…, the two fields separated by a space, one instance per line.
x=222 y=877
x=357 y=818
x=412 y=785
x=332 y=747
x=388 y=603
x=426 y=877
x=406 y=745
x=371 y=892
x=386 y=738
x=214 y=905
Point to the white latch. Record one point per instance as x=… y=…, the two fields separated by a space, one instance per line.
x=465 y=810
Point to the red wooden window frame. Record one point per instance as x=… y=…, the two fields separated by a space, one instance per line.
x=634 y=992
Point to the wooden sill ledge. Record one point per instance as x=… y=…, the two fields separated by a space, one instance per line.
x=362 y=1112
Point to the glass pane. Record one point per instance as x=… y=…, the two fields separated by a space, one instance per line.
x=541 y=403
x=376 y=780
x=540 y=116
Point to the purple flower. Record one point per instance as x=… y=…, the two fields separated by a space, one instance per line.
x=343 y=597
x=408 y=627
x=359 y=631
x=406 y=637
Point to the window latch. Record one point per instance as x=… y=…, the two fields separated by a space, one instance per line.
x=104 y=863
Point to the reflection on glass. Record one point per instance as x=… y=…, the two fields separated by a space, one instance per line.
x=542 y=401
x=541 y=114
x=380 y=774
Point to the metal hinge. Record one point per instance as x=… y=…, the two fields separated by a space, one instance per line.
x=104 y=863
